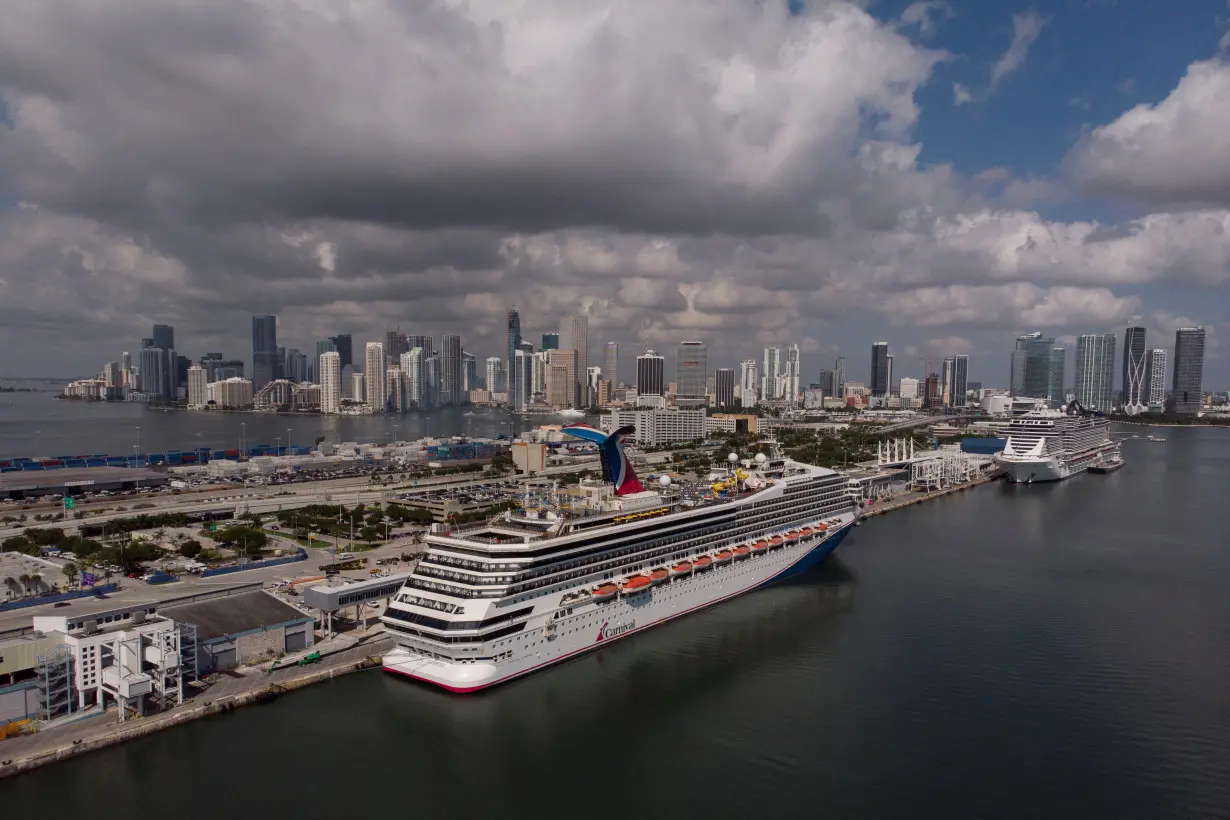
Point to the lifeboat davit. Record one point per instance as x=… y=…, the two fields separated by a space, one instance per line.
x=742 y=551
x=682 y=568
x=658 y=576
x=703 y=562
x=605 y=592
x=723 y=556
x=760 y=546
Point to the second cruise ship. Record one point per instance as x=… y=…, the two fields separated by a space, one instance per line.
x=499 y=600
x=1051 y=445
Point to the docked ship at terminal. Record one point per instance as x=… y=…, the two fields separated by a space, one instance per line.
x=540 y=585
x=1051 y=445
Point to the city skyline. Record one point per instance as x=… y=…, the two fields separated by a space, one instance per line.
x=900 y=207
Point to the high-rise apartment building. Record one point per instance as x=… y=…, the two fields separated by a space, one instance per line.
x=960 y=380
x=610 y=362
x=395 y=344
x=574 y=335
x=497 y=380
x=264 y=350
x=650 y=374
x=839 y=375
x=196 y=386
x=909 y=390
x=691 y=370
x=1155 y=379
x=1133 y=381
x=425 y=342
x=1095 y=371
x=1056 y=393
x=1185 y=392
x=1031 y=366
x=395 y=389
x=344 y=346
x=828 y=383
x=469 y=372
x=791 y=383
x=451 y=393
x=568 y=359
x=329 y=367
x=523 y=363
x=358 y=390
x=550 y=341
x=724 y=387
x=559 y=389
x=879 y=369
x=375 y=368
x=154 y=373
x=412 y=366
x=946 y=381
x=513 y=338
x=770 y=375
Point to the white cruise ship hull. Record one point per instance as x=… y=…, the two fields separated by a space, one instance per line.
x=594 y=625
x=1030 y=469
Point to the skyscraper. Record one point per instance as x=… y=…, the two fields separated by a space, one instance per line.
x=196 y=386
x=649 y=374
x=412 y=366
x=879 y=369
x=450 y=370
x=610 y=362
x=324 y=346
x=1031 y=366
x=691 y=371
x=828 y=384
x=523 y=363
x=839 y=375
x=1056 y=394
x=724 y=387
x=497 y=380
x=1155 y=379
x=1095 y=371
x=791 y=375
x=567 y=359
x=771 y=373
x=395 y=344
x=1134 y=399
x=1186 y=396
x=154 y=373
x=264 y=350
x=330 y=369
x=469 y=373
x=960 y=380
x=748 y=383
x=574 y=335
x=514 y=342
x=345 y=349
x=425 y=342
x=375 y=369
x=550 y=341
x=946 y=381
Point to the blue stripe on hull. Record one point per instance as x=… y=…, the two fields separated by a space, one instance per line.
x=812 y=559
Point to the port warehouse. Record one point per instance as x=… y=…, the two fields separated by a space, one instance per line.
x=239 y=627
x=72 y=480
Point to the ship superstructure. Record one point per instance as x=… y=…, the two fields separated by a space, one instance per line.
x=537 y=585
x=1051 y=445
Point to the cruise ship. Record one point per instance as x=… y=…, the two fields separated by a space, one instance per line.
x=541 y=584
x=1051 y=445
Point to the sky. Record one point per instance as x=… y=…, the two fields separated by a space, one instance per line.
x=941 y=175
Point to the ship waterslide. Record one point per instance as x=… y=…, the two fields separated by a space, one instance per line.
x=616 y=468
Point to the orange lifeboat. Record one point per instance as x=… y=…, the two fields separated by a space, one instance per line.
x=723 y=556
x=637 y=583
x=805 y=532
x=742 y=551
x=682 y=568
x=605 y=592
x=793 y=535
x=776 y=541
x=658 y=576
x=760 y=546
x=703 y=562
x=822 y=527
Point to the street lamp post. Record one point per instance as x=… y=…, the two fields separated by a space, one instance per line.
x=243 y=434
x=288 y=429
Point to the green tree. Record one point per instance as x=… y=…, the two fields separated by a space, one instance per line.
x=22 y=544
x=190 y=548
x=71 y=572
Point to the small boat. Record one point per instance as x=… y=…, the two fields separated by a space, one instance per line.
x=1156 y=438
x=1107 y=466
x=821 y=527
x=658 y=576
x=806 y=532
x=704 y=562
x=760 y=546
x=637 y=583
x=742 y=551
x=605 y=592
x=792 y=536
x=723 y=556
x=682 y=568
x=776 y=541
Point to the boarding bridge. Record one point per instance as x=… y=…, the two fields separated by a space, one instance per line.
x=330 y=599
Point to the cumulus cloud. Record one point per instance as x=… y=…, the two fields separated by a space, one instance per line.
x=1177 y=151
x=730 y=171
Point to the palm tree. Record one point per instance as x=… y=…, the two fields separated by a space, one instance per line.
x=25 y=580
x=11 y=586
x=70 y=572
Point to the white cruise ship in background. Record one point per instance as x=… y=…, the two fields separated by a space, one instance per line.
x=1051 y=445
x=498 y=600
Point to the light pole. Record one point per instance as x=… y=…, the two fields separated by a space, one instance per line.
x=243 y=434
x=288 y=429
x=278 y=445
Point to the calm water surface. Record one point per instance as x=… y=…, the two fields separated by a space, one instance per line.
x=1050 y=651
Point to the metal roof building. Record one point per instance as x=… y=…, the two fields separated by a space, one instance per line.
x=242 y=629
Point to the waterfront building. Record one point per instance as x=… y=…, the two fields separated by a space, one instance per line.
x=154 y=374
x=345 y=349
x=412 y=366
x=196 y=386
x=230 y=394
x=296 y=366
x=264 y=350
x=879 y=369
x=395 y=344
x=610 y=362
x=431 y=380
x=1155 y=380
x=655 y=427
x=791 y=375
x=538 y=389
x=691 y=368
x=374 y=368
x=358 y=392
x=523 y=363
x=650 y=375
x=451 y=393
x=469 y=373
x=1185 y=393
x=514 y=341
x=550 y=341
x=395 y=387
x=574 y=335
x=1095 y=371
x=1031 y=366
x=724 y=387
x=1135 y=399
x=330 y=369
x=325 y=346
x=1056 y=394
x=559 y=389
x=747 y=382
x=770 y=376
x=497 y=379
x=425 y=342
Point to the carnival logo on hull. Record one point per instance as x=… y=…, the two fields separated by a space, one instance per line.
x=606 y=631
